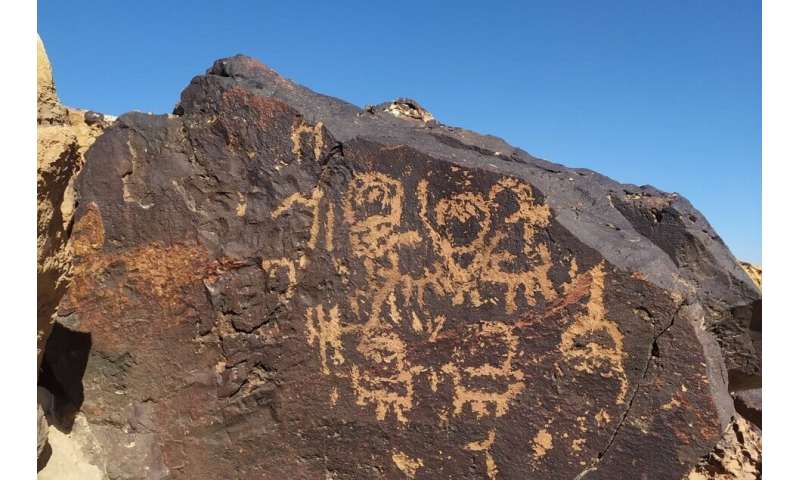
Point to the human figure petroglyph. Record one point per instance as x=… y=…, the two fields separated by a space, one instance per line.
x=325 y=330
x=387 y=378
x=532 y=217
x=458 y=279
x=302 y=129
x=373 y=211
x=593 y=357
x=470 y=381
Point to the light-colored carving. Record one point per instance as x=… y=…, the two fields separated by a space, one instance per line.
x=465 y=263
x=593 y=356
x=387 y=378
x=532 y=218
x=326 y=332
x=241 y=207
x=486 y=446
x=477 y=239
x=479 y=398
x=457 y=279
x=273 y=268
x=305 y=129
x=602 y=417
x=373 y=207
x=310 y=202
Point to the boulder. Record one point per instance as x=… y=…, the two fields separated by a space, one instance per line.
x=277 y=283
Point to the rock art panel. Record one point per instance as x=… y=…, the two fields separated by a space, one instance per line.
x=269 y=299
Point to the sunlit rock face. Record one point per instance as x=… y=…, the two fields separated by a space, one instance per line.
x=63 y=136
x=279 y=284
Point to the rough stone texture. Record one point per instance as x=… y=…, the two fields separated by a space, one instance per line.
x=736 y=457
x=63 y=137
x=753 y=271
x=70 y=457
x=748 y=404
x=279 y=284
x=41 y=431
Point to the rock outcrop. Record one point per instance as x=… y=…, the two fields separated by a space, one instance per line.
x=64 y=134
x=736 y=457
x=753 y=271
x=274 y=283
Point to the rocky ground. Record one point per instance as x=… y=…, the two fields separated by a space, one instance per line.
x=272 y=282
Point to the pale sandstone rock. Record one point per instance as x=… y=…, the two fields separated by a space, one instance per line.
x=63 y=137
x=736 y=457
x=753 y=271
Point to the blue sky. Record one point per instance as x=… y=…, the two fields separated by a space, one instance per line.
x=660 y=92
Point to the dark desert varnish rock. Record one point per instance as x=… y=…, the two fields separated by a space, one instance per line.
x=279 y=284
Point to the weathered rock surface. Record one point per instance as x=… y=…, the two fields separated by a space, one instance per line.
x=279 y=284
x=64 y=134
x=736 y=457
x=753 y=271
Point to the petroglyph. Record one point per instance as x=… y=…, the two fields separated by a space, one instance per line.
x=326 y=331
x=486 y=446
x=406 y=464
x=387 y=380
x=372 y=209
x=488 y=248
x=469 y=381
x=282 y=272
x=531 y=217
x=487 y=258
x=579 y=342
x=304 y=129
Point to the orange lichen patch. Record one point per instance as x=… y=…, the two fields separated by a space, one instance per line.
x=541 y=444
x=387 y=378
x=150 y=274
x=479 y=398
x=486 y=446
x=326 y=331
x=88 y=234
x=593 y=356
x=266 y=109
x=406 y=464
